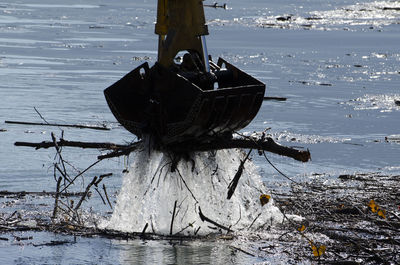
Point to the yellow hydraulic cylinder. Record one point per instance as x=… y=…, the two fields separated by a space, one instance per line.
x=180 y=26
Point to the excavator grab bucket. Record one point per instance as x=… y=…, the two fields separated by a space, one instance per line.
x=177 y=106
x=190 y=101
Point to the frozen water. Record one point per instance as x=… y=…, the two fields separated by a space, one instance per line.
x=374 y=14
x=382 y=103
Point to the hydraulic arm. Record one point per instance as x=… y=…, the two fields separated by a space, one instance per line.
x=181 y=27
x=189 y=100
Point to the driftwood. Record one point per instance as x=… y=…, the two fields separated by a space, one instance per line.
x=347 y=214
x=78 y=230
x=60 y=125
x=216 y=5
x=5 y=193
x=275 y=98
x=265 y=144
x=62 y=142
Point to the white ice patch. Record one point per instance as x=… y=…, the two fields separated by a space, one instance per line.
x=286 y=136
x=382 y=103
x=376 y=14
x=150 y=190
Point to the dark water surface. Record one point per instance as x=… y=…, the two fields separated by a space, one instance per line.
x=337 y=63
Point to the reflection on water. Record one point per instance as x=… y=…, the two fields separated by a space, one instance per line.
x=139 y=252
x=45 y=248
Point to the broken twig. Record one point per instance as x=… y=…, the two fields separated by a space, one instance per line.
x=105 y=193
x=57 y=196
x=173 y=217
x=62 y=142
x=275 y=98
x=235 y=180
x=204 y=218
x=86 y=193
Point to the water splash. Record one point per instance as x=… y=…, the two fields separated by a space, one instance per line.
x=150 y=190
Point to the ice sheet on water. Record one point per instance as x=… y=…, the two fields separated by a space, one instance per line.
x=288 y=136
x=150 y=189
x=381 y=102
x=377 y=13
x=372 y=14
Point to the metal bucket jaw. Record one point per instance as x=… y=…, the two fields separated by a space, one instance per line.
x=175 y=105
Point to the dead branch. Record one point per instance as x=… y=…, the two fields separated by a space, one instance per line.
x=267 y=144
x=57 y=196
x=144 y=229
x=64 y=172
x=105 y=193
x=54 y=243
x=235 y=180
x=101 y=196
x=121 y=151
x=216 y=143
x=85 y=193
x=216 y=5
x=204 y=218
x=5 y=193
x=80 y=174
x=275 y=98
x=241 y=250
x=101 y=177
x=78 y=230
x=173 y=217
x=103 y=128
x=62 y=142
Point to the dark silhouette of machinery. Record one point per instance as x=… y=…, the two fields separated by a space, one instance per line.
x=189 y=100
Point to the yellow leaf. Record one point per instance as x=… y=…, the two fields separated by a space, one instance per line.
x=374 y=207
x=318 y=252
x=321 y=250
x=264 y=199
x=371 y=204
x=382 y=213
x=302 y=228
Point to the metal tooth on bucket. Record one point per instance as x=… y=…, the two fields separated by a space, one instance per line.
x=187 y=101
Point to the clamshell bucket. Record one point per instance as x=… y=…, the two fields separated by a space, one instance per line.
x=187 y=101
x=178 y=106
